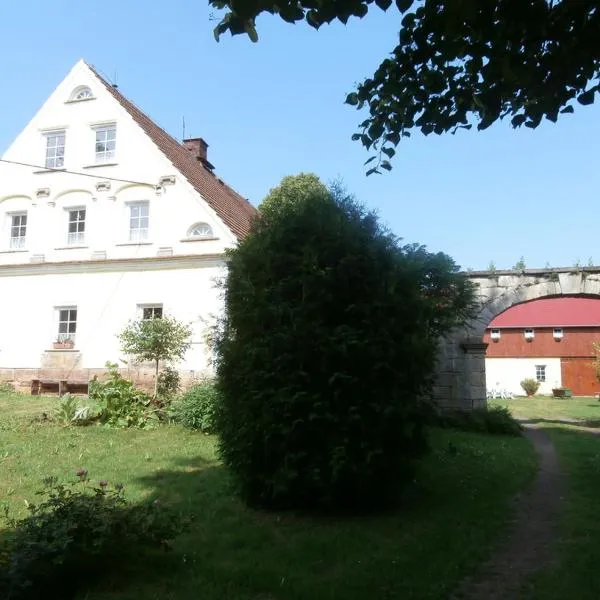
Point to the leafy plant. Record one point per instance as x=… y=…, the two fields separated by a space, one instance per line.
x=497 y=420
x=7 y=387
x=520 y=265
x=75 y=534
x=196 y=409
x=327 y=352
x=530 y=386
x=156 y=340
x=121 y=403
x=69 y=411
x=456 y=62
x=169 y=384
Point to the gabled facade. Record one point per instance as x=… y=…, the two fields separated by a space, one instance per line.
x=105 y=217
x=550 y=340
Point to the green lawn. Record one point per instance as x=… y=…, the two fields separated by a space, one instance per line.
x=548 y=409
x=579 y=453
x=441 y=531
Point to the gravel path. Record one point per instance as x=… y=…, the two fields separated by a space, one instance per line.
x=529 y=544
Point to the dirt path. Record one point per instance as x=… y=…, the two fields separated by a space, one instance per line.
x=528 y=546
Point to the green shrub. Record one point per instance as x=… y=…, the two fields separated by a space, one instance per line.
x=77 y=533
x=497 y=420
x=121 y=403
x=327 y=351
x=530 y=386
x=197 y=407
x=7 y=387
x=169 y=384
x=70 y=411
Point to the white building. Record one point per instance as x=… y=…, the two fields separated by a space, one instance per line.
x=105 y=217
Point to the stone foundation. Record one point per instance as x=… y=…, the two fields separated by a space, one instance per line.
x=143 y=377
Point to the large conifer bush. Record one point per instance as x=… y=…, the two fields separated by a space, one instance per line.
x=326 y=351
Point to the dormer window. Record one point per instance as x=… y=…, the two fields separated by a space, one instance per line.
x=82 y=92
x=200 y=230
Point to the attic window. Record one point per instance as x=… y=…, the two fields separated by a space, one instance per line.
x=82 y=92
x=200 y=230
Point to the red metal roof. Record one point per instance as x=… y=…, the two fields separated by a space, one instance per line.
x=551 y=312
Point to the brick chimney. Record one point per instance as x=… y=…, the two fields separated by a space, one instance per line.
x=199 y=149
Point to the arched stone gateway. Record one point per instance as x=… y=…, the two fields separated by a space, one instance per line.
x=460 y=381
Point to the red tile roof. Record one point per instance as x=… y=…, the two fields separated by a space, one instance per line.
x=551 y=312
x=234 y=210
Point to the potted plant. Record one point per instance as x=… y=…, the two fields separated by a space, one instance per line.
x=63 y=343
x=562 y=392
x=530 y=386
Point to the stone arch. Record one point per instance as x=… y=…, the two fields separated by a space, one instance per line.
x=460 y=381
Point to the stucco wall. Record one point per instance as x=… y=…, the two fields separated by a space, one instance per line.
x=105 y=301
x=507 y=373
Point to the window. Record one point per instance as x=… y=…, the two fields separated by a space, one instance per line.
x=106 y=140
x=495 y=335
x=557 y=333
x=138 y=221
x=76 y=231
x=67 y=323
x=18 y=230
x=200 y=230
x=154 y=311
x=55 y=150
x=82 y=92
x=529 y=334
x=540 y=373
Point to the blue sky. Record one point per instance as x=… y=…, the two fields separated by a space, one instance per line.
x=276 y=108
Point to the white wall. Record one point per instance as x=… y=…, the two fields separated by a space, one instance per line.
x=137 y=159
x=507 y=373
x=105 y=302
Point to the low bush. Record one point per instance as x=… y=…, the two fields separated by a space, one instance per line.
x=169 y=384
x=497 y=420
x=121 y=403
x=74 y=534
x=70 y=411
x=530 y=386
x=197 y=407
x=7 y=387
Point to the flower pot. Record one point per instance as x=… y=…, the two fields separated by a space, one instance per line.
x=68 y=345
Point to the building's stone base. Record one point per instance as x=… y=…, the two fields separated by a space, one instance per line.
x=142 y=377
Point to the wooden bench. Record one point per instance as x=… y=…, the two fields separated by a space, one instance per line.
x=60 y=387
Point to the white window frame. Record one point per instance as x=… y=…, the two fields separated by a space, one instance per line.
x=156 y=306
x=104 y=139
x=70 y=323
x=17 y=242
x=81 y=93
x=54 y=159
x=540 y=373
x=138 y=234
x=208 y=231
x=558 y=333
x=529 y=334
x=76 y=238
x=495 y=335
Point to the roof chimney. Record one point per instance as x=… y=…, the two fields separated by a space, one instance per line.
x=199 y=148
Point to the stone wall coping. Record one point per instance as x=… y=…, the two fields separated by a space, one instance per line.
x=499 y=272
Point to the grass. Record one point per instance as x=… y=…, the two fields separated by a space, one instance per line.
x=558 y=410
x=457 y=507
x=566 y=421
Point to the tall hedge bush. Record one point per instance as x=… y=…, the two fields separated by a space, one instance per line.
x=327 y=350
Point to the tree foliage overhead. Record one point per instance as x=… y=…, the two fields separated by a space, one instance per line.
x=327 y=350
x=458 y=61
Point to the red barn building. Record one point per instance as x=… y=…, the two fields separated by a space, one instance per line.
x=550 y=340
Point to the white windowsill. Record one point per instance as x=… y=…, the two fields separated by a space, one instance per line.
x=74 y=247
x=97 y=165
x=135 y=244
x=199 y=239
x=60 y=170
x=62 y=350
x=80 y=100
x=13 y=250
